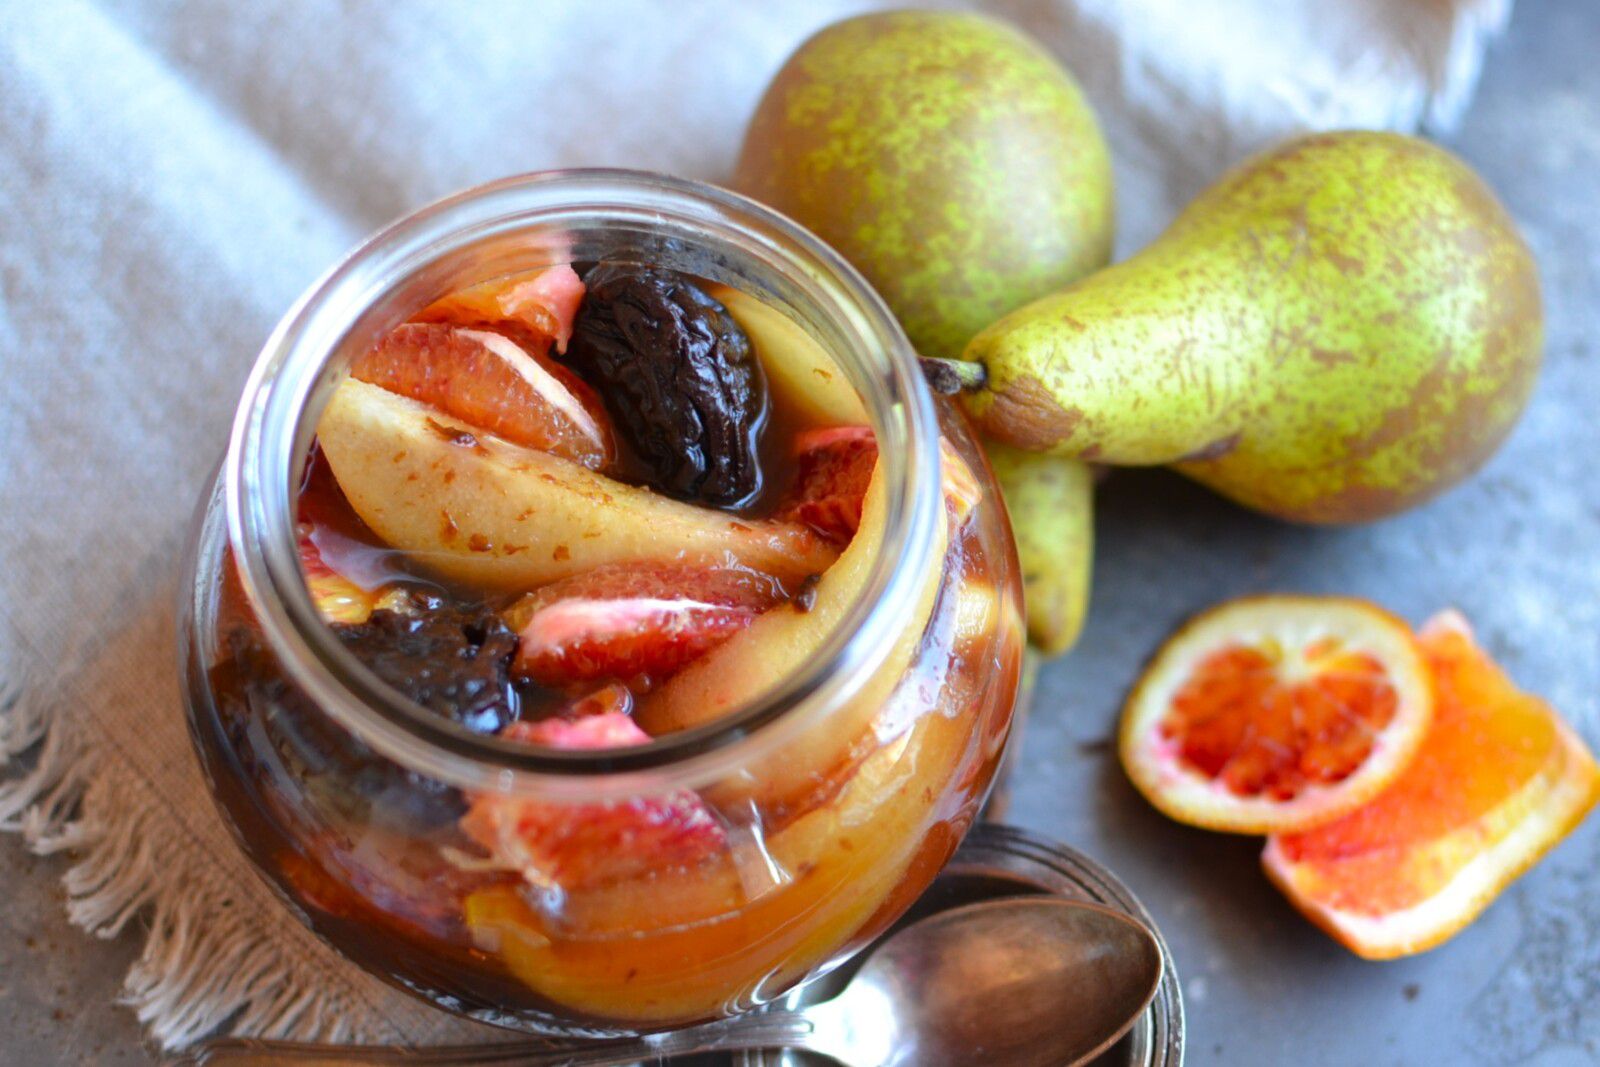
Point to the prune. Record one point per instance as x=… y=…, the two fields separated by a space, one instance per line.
x=678 y=378
x=313 y=752
x=452 y=660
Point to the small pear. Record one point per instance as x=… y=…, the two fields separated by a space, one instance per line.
x=1051 y=503
x=960 y=168
x=1337 y=330
x=947 y=156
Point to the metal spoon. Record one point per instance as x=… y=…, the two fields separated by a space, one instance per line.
x=1019 y=982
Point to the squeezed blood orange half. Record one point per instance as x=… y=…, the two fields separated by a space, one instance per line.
x=1276 y=713
x=1498 y=781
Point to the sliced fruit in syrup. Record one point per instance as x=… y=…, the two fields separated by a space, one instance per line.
x=534 y=306
x=489 y=381
x=564 y=846
x=835 y=465
x=478 y=509
x=635 y=619
x=832 y=471
x=785 y=640
x=797 y=366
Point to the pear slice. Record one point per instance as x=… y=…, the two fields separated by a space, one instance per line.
x=799 y=368
x=479 y=509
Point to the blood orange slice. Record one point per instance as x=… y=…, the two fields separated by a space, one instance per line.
x=338 y=598
x=834 y=466
x=568 y=845
x=633 y=620
x=1276 y=713
x=488 y=380
x=537 y=306
x=1498 y=781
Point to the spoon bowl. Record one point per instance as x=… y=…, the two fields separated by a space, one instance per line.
x=1030 y=982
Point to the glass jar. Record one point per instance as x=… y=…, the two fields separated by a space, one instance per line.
x=843 y=775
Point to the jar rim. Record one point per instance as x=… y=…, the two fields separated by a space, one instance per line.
x=293 y=375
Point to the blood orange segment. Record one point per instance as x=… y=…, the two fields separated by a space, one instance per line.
x=539 y=307
x=1276 y=713
x=346 y=576
x=337 y=597
x=489 y=381
x=594 y=725
x=1498 y=781
x=555 y=845
x=634 y=620
x=834 y=467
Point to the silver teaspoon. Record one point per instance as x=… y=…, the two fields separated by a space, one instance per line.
x=1019 y=982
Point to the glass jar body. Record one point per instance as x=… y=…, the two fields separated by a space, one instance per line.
x=818 y=841
x=369 y=854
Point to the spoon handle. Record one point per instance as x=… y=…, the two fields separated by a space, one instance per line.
x=764 y=1030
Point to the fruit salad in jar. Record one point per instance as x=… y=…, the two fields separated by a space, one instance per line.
x=585 y=510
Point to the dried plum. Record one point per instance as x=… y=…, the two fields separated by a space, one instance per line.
x=308 y=749
x=452 y=660
x=678 y=377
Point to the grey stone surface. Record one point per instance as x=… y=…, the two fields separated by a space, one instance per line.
x=1518 y=549
x=57 y=987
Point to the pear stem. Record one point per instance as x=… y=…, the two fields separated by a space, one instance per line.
x=947 y=377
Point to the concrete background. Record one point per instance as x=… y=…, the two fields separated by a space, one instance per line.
x=1518 y=549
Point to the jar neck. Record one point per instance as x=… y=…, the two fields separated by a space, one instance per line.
x=525 y=223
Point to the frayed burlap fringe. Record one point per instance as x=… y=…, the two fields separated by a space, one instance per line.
x=37 y=800
x=206 y=967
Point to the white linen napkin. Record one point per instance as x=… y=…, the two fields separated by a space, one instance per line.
x=172 y=174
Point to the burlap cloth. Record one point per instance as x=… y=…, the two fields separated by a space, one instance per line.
x=173 y=174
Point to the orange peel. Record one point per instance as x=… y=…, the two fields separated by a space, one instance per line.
x=1498 y=782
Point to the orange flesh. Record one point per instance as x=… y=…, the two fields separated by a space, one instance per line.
x=1488 y=740
x=337 y=597
x=1238 y=720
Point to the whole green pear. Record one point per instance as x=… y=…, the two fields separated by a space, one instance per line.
x=958 y=166
x=947 y=156
x=1338 y=329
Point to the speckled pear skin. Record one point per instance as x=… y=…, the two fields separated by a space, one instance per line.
x=1337 y=330
x=1051 y=503
x=947 y=156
